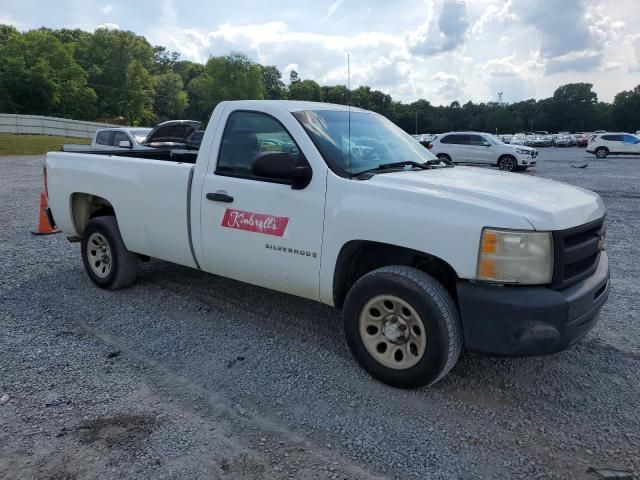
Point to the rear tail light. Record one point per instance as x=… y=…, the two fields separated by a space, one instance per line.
x=430 y=145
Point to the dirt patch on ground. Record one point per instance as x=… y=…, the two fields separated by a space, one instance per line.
x=117 y=431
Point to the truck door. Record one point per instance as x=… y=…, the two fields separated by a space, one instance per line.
x=254 y=229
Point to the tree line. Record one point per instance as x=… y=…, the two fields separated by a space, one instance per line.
x=114 y=74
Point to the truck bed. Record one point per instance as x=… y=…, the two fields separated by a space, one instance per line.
x=149 y=198
x=167 y=155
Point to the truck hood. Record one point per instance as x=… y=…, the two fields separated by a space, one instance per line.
x=545 y=204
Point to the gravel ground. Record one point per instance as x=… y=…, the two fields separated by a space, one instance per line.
x=188 y=375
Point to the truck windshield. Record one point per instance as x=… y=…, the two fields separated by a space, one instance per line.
x=363 y=143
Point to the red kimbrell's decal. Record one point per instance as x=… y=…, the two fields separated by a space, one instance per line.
x=255 y=222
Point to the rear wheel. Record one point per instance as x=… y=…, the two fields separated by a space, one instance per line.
x=444 y=157
x=602 y=152
x=107 y=261
x=402 y=326
x=507 y=163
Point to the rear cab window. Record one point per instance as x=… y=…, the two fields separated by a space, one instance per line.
x=104 y=138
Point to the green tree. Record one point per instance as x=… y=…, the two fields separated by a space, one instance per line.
x=305 y=90
x=272 y=84
x=170 y=99
x=626 y=110
x=39 y=75
x=137 y=98
x=232 y=77
x=108 y=56
x=188 y=70
x=572 y=107
x=336 y=94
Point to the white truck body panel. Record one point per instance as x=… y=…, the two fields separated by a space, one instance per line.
x=255 y=258
x=440 y=212
x=149 y=196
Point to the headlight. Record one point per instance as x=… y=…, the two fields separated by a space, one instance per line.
x=515 y=257
x=522 y=151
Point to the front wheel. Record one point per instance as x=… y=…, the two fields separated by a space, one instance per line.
x=402 y=326
x=602 y=152
x=107 y=261
x=507 y=163
x=444 y=157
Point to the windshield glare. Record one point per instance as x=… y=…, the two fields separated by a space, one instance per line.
x=363 y=143
x=493 y=139
x=139 y=133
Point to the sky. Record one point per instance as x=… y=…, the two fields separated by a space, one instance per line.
x=439 y=50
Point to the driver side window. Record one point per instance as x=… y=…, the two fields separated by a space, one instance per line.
x=246 y=135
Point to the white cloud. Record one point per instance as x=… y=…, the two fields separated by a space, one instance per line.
x=444 y=31
x=440 y=50
x=108 y=26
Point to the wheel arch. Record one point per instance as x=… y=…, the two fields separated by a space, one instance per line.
x=85 y=206
x=359 y=257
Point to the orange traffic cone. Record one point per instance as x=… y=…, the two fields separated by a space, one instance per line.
x=44 y=226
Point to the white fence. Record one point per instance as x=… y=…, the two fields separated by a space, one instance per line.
x=38 y=125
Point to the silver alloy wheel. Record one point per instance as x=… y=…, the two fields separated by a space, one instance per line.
x=392 y=332
x=99 y=255
x=507 y=164
x=601 y=153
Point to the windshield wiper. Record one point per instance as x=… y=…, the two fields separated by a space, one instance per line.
x=395 y=165
x=437 y=161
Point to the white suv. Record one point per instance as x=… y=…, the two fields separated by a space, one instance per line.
x=482 y=148
x=605 y=144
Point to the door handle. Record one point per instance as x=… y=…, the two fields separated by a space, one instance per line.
x=220 y=197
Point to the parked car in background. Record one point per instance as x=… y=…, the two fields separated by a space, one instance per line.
x=165 y=135
x=542 y=139
x=566 y=140
x=112 y=138
x=581 y=139
x=603 y=145
x=172 y=134
x=518 y=139
x=483 y=149
x=506 y=138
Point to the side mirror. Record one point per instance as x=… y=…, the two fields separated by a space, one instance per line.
x=285 y=167
x=125 y=144
x=486 y=144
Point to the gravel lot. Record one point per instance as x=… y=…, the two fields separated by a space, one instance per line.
x=187 y=375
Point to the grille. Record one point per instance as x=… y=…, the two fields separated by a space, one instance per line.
x=576 y=253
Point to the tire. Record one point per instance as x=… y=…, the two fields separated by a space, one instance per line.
x=443 y=156
x=107 y=261
x=507 y=163
x=428 y=353
x=602 y=152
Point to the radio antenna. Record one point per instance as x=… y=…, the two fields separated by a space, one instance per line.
x=349 y=108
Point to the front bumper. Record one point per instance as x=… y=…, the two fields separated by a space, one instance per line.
x=526 y=321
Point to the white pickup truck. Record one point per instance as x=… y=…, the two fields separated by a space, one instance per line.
x=340 y=206
x=169 y=134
